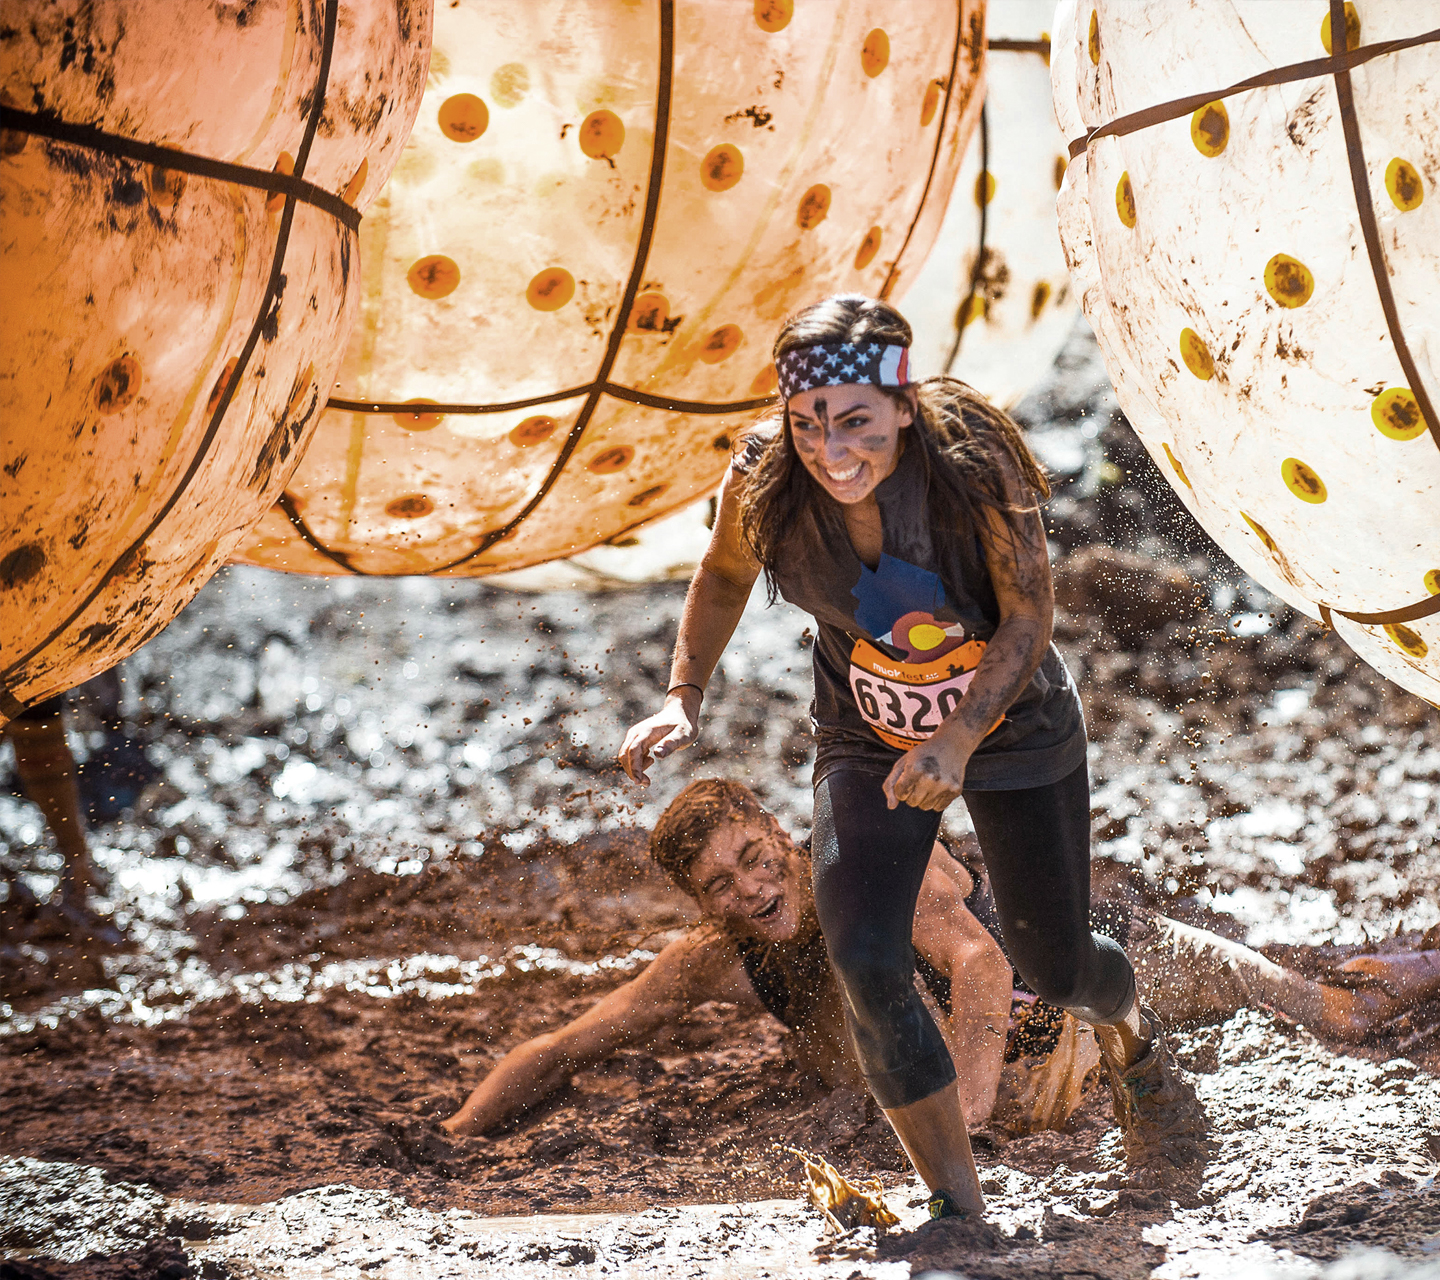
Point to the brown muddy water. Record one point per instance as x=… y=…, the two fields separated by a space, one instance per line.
x=387 y=842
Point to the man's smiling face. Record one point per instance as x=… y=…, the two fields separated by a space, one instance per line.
x=750 y=875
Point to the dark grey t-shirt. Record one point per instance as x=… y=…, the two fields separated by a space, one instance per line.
x=859 y=646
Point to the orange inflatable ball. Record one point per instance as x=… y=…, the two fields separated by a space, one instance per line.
x=573 y=279
x=180 y=195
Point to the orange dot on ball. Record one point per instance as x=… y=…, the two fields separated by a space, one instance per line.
x=411 y=507
x=221 y=383
x=774 y=15
x=118 y=384
x=434 y=277
x=464 y=117
x=286 y=165
x=601 y=134
x=615 y=458
x=931 y=102
x=533 y=430
x=814 y=207
x=551 y=289
x=418 y=421
x=875 y=53
x=722 y=344
x=722 y=167
x=649 y=312
x=869 y=247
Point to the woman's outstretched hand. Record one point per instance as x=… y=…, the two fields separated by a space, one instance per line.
x=672 y=728
x=928 y=776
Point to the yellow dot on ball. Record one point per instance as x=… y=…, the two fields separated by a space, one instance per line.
x=1407 y=639
x=1432 y=582
x=875 y=53
x=1260 y=532
x=930 y=103
x=1288 y=280
x=926 y=636
x=1396 y=413
x=1302 y=481
x=869 y=247
x=1196 y=355
x=1210 y=129
x=1125 y=199
x=1175 y=463
x=1352 y=29
x=1094 y=40
x=1404 y=185
x=984 y=187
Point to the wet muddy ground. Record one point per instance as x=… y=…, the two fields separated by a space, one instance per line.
x=386 y=842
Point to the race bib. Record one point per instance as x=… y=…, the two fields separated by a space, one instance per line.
x=904 y=702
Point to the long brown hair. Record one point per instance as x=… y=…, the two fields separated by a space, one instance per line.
x=963 y=441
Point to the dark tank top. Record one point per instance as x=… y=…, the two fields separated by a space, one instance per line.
x=791 y=978
x=923 y=587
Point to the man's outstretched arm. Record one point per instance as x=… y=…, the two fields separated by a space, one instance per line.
x=698 y=967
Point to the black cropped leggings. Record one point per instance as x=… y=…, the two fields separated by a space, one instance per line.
x=868 y=862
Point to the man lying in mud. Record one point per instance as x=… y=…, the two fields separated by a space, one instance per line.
x=1020 y=1062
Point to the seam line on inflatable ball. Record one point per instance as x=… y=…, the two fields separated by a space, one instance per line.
x=610 y=388
x=979 y=265
x=87 y=136
x=632 y=288
x=1019 y=46
x=10 y=705
x=892 y=275
x=1365 y=208
x=1312 y=69
x=272 y=290
x=292 y=513
x=1410 y=613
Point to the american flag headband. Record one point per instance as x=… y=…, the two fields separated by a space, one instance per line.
x=834 y=364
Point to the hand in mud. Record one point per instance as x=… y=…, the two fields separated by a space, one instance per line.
x=672 y=728
x=928 y=776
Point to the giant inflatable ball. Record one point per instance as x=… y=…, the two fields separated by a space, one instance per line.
x=180 y=192
x=573 y=280
x=993 y=304
x=1251 y=216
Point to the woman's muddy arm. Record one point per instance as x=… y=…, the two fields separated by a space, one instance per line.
x=932 y=774
x=713 y=605
x=685 y=974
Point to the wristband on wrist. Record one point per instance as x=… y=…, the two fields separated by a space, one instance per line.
x=685 y=685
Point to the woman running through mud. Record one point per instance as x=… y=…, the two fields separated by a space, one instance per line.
x=904 y=518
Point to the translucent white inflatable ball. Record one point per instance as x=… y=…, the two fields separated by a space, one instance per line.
x=180 y=187
x=993 y=303
x=1252 y=218
x=573 y=280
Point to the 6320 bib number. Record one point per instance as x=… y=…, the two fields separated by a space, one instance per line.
x=905 y=702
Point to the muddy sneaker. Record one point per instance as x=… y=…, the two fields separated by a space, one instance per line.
x=942 y=1205
x=1162 y=1122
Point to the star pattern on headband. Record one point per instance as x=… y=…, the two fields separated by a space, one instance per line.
x=834 y=364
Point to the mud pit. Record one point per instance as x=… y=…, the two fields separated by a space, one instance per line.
x=388 y=844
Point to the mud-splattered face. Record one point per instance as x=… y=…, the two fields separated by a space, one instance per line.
x=848 y=437
x=750 y=875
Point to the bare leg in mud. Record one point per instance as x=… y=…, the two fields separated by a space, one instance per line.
x=1190 y=975
x=934 y=1136
x=47 y=772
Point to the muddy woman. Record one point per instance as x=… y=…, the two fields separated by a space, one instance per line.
x=905 y=518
